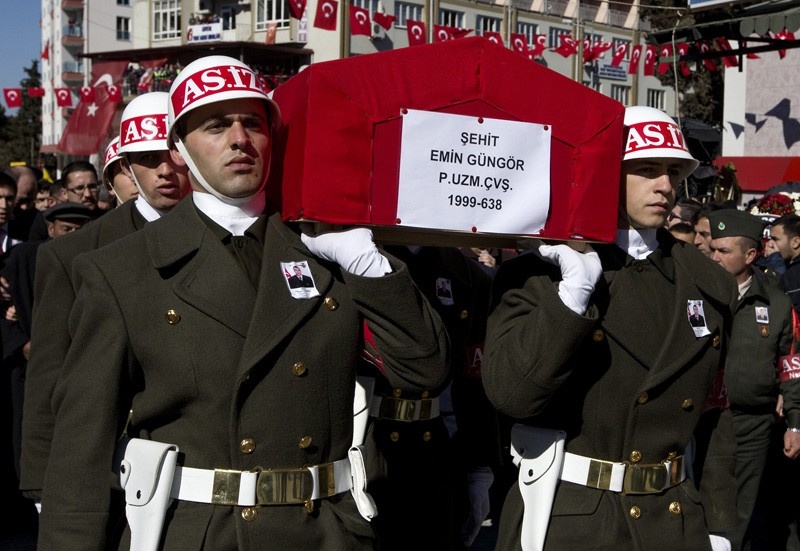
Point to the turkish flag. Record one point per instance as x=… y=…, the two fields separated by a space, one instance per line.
x=359 y=21
x=650 y=60
x=567 y=46
x=443 y=32
x=46 y=51
x=326 y=15
x=383 y=20
x=620 y=49
x=87 y=93
x=663 y=53
x=724 y=45
x=750 y=56
x=683 y=51
x=297 y=7
x=636 y=54
x=87 y=125
x=272 y=30
x=497 y=38
x=36 y=92
x=784 y=35
x=416 y=32
x=539 y=44
x=519 y=43
x=114 y=93
x=594 y=50
x=704 y=46
x=13 y=97
x=63 y=97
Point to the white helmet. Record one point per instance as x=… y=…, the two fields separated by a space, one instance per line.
x=212 y=79
x=112 y=156
x=651 y=133
x=144 y=124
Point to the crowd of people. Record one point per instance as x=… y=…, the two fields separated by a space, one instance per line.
x=185 y=370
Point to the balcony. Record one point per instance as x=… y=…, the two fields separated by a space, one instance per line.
x=72 y=36
x=72 y=72
x=71 y=5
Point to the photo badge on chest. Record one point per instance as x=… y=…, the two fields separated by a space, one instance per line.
x=444 y=291
x=299 y=279
x=697 y=318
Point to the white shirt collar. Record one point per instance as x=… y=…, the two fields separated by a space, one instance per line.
x=637 y=243
x=147 y=210
x=234 y=218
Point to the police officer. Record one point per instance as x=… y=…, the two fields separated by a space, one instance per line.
x=234 y=391
x=600 y=349
x=761 y=335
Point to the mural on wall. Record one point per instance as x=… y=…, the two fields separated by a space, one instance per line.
x=789 y=129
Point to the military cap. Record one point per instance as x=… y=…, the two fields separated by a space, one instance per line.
x=67 y=211
x=735 y=223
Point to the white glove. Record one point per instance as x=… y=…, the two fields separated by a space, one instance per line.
x=579 y=274
x=719 y=543
x=351 y=249
x=478 y=483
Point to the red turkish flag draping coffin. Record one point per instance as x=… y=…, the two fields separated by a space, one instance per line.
x=340 y=145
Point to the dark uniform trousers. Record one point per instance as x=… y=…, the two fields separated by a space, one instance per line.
x=238 y=377
x=628 y=381
x=53 y=296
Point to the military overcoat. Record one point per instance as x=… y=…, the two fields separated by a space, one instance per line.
x=628 y=381
x=167 y=324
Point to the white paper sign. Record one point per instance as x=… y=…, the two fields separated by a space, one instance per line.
x=473 y=174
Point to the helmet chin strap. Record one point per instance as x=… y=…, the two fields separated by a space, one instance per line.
x=235 y=201
x=142 y=194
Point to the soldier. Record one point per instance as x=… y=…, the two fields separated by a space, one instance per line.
x=115 y=178
x=442 y=443
x=600 y=351
x=761 y=334
x=234 y=392
x=163 y=184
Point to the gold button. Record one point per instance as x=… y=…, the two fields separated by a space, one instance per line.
x=172 y=317
x=426 y=436
x=298 y=369
x=305 y=442
x=642 y=398
x=598 y=335
x=397 y=393
x=464 y=314
x=425 y=394
x=639 y=269
x=308 y=506
x=675 y=508
x=248 y=445
x=635 y=512
x=687 y=403
x=672 y=456
x=249 y=513
x=331 y=304
x=636 y=456
x=395 y=436
x=716 y=341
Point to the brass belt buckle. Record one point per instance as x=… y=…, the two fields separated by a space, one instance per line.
x=397 y=409
x=644 y=479
x=284 y=487
x=225 y=489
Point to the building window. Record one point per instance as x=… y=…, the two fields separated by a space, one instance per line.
x=370 y=5
x=166 y=19
x=123 y=28
x=616 y=42
x=451 y=18
x=529 y=30
x=123 y=2
x=272 y=11
x=486 y=24
x=620 y=93
x=227 y=14
x=404 y=11
x=553 y=34
x=655 y=98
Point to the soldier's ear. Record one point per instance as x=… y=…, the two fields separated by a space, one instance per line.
x=795 y=242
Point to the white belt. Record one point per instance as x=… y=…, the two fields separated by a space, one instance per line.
x=266 y=487
x=402 y=409
x=628 y=478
